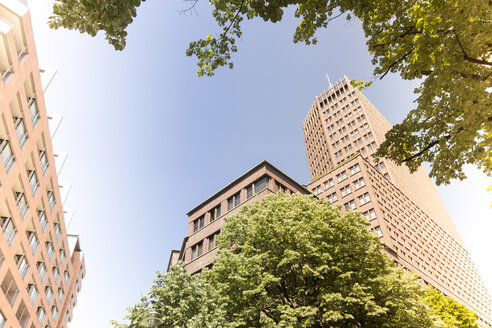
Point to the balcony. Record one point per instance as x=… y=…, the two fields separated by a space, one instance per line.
x=44 y=160
x=51 y=199
x=22 y=265
x=57 y=231
x=63 y=258
x=61 y=294
x=10 y=289
x=33 y=293
x=50 y=250
x=8 y=157
x=21 y=131
x=33 y=111
x=41 y=315
x=42 y=220
x=7 y=73
x=41 y=271
x=33 y=181
x=8 y=229
x=56 y=275
x=49 y=294
x=33 y=242
x=21 y=203
x=22 y=55
x=54 y=313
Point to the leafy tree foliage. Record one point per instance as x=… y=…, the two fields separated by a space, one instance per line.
x=92 y=16
x=180 y=300
x=295 y=261
x=448 y=313
x=447 y=44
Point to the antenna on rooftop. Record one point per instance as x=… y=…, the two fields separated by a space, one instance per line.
x=328 y=79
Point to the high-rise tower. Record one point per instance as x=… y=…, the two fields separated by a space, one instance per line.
x=41 y=266
x=342 y=131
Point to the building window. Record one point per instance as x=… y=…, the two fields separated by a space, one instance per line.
x=354 y=169
x=8 y=228
x=333 y=197
x=345 y=191
x=261 y=184
x=197 y=250
x=363 y=199
x=230 y=203
x=215 y=213
x=378 y=231
x=237 y=199
x=199 y=223
x=370 y=215
x=341 y=176
x=7 y=154
x=359 y=183
x=350 y=205
x=249 y=191
x=212 y=241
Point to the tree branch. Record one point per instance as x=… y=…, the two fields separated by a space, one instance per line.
x=232 y=22
x=429 y=146
x=465 y=55
x=191 y=8
x=396 y=62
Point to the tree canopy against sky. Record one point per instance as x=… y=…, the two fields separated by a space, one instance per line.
x=447 y=44
x=295 y=261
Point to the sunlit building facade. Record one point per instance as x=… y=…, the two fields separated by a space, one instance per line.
x=41 y=266
x=342 y=132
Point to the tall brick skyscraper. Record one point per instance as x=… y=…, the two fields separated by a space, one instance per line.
x=41 y=266
x=342 y=131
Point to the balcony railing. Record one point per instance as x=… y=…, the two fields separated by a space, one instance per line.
x=62 y=256
x=49 y=294
x=33 y=242
x=56 y=275
x=22 y=204
x=41 y=271
x=22 y=54
x=41 y=315
x=51 y=199
x=44 y=160
x=57 y=231
x=42 y=220
x=8 y=230
x=22 y=265
x=54 y=313
x=6 y=73
x=33 y=293
x=21 y=131
x=50 y=250
x=33 y=110
x=6 y=154
x=33 y=181
x=10 y=290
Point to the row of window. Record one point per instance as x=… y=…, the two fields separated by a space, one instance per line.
x=197 y=250
x=232 y=202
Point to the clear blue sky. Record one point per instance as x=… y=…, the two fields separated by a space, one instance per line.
x=148 y=140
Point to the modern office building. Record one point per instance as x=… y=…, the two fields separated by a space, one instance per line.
x=342 y=131
x=41 y=266
x=206 y=219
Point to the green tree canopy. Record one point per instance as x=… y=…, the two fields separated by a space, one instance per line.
x=446 y=44
x=295 y=261
x=448 y=313
x=180 y=300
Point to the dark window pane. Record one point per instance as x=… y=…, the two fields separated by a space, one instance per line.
x=230 y=204
x=237 y=199
x=218 y=211
x=211 y=242
x=261 y=184
x=195 y=225
x=202 y=221
x=249 y=191
x=200 y=248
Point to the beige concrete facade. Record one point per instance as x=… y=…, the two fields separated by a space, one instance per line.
x=41 y=267
x=404 y=208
